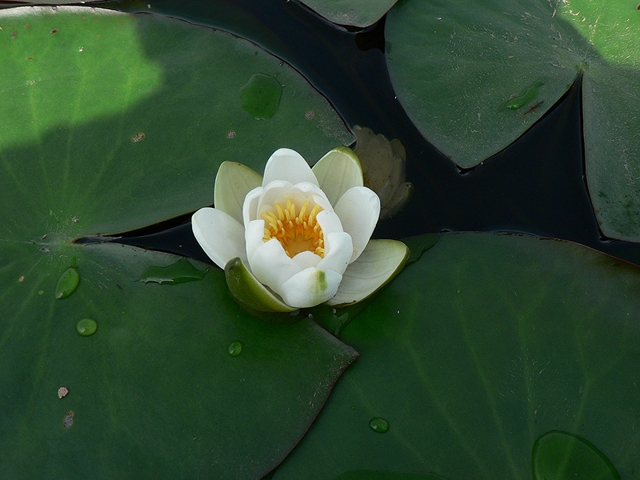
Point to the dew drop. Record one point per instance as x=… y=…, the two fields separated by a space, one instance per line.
x=261 y=96
x=67 y=283
x=525 y=96
x=379 y=425
x=86 y=327
x=235 y=348
x=67 y=421
x=561 y=455
x=180 y=272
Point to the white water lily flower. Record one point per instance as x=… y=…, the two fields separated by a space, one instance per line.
x=302 y=233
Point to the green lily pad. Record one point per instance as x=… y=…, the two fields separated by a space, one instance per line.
x=118 y=121
x=475 y=352
x=152 y=120
x=357 y=13
x=155 y=391
x=473 y=78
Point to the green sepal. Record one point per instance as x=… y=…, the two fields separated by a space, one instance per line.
x=249 y=291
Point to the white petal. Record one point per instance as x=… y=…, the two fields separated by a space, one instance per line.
x=358 y=209
x=250 y=206
x=280 y=191
x=379 y=263
x=253 y=236
x=310 y=287
x=307 y=259
x=272 y=266
x=289 y=165
x=329 y=222
x=339 y=249
x=220 y=235
x=233 y=182
x=338 y=171
x=271 y=194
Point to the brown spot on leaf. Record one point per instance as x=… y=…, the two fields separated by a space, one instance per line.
x=54 y=31
x=138 y=137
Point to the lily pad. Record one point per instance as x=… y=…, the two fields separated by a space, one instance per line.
x=483 y=346
x=154 y=391
x=118 y=121
x=152 y=120
x=473 y=79
x=356 y=13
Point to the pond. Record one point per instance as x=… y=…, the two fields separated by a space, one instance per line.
x=504 y=349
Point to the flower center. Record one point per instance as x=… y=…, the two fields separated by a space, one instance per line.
x=296 y=232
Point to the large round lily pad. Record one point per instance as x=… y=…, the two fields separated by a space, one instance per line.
x=115 y=121
x=480 y=348
x=474 y=77
x=130 y=107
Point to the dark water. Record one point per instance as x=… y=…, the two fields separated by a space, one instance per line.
x=536 y=185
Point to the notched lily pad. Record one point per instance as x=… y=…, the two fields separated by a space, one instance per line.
x=474 y=353
x=474 y=79
x=82 y=86
x=357 y=13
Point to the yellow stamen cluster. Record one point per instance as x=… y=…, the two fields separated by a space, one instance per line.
x=297 y=232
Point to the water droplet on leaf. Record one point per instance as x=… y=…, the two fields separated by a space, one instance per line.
x=180 y=272
x=379 y=425
x=525 y=96
x=67 y=421
x=235 y=348
x=261 y=96
x=560 y=455
x=86 y=327
x=67 y=283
